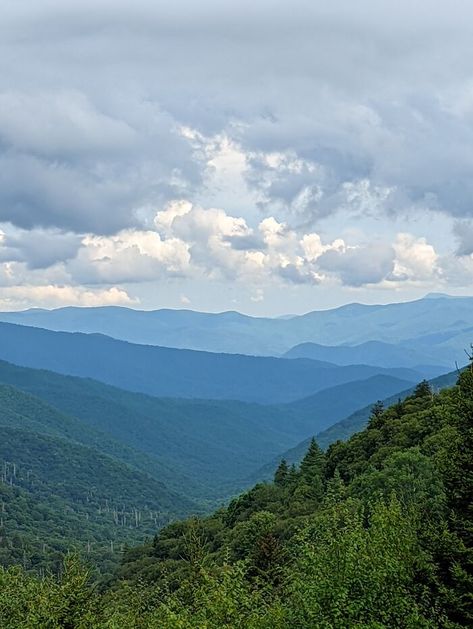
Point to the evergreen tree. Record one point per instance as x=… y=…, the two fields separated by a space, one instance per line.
x=423 y=389
x=312 y=472
x=313 y=463
x=281 y=474
x=376 y=414
x=336 y=490
x=292 y=475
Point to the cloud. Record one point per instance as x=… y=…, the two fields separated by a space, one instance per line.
x=463 y=231
x=415 y=258
x=189 y=242
x=129 y=256
x=154 y=142
x=457 y=271
x=51 y=296
x=276 y=251
x=40 y=248
x=365 y=107
x=356 y=266
x=210 y=236
x=65 y=163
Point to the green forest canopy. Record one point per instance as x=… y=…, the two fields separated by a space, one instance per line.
x=375 y=533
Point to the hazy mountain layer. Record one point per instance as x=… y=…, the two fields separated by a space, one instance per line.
x=370 y=353
x=200 y=447
x=447 y=320
x=166 y=372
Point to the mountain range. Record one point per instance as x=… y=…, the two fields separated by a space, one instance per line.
x=104 y=440
x=168 y=372
x=200 y=447
x=431 y=331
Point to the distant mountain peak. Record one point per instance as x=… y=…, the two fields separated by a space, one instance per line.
x=439 y=296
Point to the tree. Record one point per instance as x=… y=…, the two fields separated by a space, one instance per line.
x=313 y=463
x=376 y=414
x=423 y=389
x=280 y=476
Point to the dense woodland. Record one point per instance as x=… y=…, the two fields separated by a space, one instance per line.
x=199 y=446
x=94 y=469
x=376 y=532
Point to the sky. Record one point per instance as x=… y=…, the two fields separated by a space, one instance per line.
x=267 y=157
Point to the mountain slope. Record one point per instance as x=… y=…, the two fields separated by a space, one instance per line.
x=58 y=494
x=374 y=533
x=209 y=442
x=236 y=333
x=348 y=426
x=20 y=410
x=358 y=420
x=375 y=353
x=168 y=372
x=333 y=404
x=45 y=464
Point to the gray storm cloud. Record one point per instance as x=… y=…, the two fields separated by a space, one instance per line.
x=148 y=146
x=364 y=265
x=463 y=231
x=94 y=96
x=39 y=249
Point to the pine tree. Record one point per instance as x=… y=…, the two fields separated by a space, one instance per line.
x=280 y=476
x=292 y=475
x=377 y=410
x=336 y=490
x=312 y=472
x=313 y=463
x=423 y=389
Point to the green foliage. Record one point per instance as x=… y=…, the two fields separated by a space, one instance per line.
x=349 y=573
x=50 y=603
x=356 y=422
x=376 y=533
x=182 y=443
x=57 y=494
x=280 y=476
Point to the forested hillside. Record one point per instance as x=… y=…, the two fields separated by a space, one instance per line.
x=196 y=445
x=166 y=372
x=209 y=448
x=377 y=532
x=58 y=494
x=345 y=428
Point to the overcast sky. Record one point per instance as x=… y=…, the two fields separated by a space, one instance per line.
x=268 y=157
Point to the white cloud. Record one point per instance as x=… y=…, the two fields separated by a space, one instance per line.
x=129 y=256
x=189 y=241
x=415 y=258
x=50 y=296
